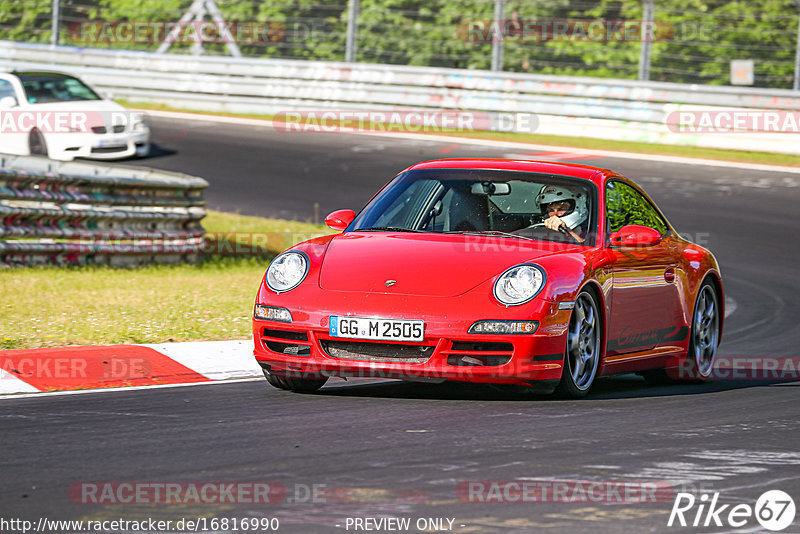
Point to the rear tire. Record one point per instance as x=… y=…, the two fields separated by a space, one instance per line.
x=36 y=143
x=306 y=384
x=582 y=355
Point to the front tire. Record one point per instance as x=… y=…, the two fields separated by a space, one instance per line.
x=582 y=355
x=306 y=384
x=704 y=336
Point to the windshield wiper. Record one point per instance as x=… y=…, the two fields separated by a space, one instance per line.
x=390 y=229
x=489 y=232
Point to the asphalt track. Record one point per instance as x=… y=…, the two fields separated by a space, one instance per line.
x=391 y=449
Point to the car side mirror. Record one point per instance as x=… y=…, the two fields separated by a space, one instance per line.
x=635 y=235
x=8 y=102
x=340 y=219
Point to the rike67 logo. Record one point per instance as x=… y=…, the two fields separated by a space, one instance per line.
x=774 y=510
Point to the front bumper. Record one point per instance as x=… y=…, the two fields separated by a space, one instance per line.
x=110 y=146
x=447 y=352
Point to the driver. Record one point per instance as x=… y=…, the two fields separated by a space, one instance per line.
x=563 y=209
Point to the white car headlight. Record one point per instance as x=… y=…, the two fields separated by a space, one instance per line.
x=519 y=284
x=287 y=271
x=140 y=123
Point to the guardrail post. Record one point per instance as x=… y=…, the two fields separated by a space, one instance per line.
x=55 y=24
x=646 y=48
x=352 y=31
x=498 y=40
x=796 y=85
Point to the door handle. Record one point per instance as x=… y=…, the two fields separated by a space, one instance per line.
x=669 y=275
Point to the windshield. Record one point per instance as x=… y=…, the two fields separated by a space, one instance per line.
x=43 y=88
x=504 y=203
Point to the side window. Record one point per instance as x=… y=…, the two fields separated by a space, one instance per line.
x=6 y=89
x=625 y=205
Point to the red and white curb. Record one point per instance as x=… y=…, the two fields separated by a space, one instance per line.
x=115 y=366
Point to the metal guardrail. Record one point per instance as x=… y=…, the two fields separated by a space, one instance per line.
x=315 y=81
x=267 y=86
x=81 y=213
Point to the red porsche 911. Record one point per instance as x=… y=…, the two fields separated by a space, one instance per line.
x=546 y=275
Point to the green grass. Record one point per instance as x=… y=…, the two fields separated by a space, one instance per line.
x=583 y=143
x=95 y=305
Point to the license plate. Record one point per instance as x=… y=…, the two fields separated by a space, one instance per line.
x=369 y=328
x=111 y=143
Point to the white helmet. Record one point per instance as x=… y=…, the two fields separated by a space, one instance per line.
x=579 y=209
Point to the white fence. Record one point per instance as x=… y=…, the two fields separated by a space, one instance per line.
x=624 y=110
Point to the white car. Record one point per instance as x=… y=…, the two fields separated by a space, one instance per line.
x=59 y=116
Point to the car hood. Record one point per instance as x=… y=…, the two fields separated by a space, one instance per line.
x=423 y=264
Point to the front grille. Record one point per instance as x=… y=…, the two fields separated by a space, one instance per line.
x=377 y=352
x=117 y=128
x=108 y=149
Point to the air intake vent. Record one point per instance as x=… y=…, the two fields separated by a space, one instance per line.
x=475 y=360
x=269 y=341
x=377 y=352
x=473 y=346
x=479 y=353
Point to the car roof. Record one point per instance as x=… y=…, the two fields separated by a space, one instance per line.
x=32 y=75
x=586 y=172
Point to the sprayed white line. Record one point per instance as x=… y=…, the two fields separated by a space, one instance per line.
x=548 y=156
x=266 y=123
x=42 y=395
x=730 y=306
x=757 y=528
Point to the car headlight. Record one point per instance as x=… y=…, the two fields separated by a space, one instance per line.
x=139 y=122
x=519 y=284
x=287 y=271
